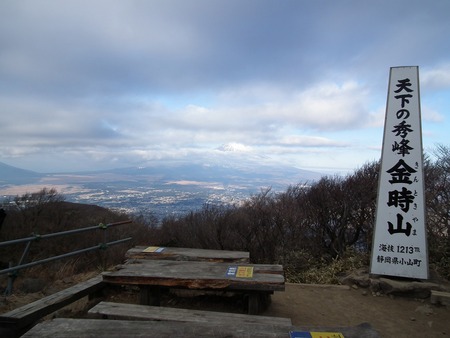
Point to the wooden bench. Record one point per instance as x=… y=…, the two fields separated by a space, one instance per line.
x=144 y=312
x=16 y=320
x=67 y=327
x=257 y=282
x=187 y=254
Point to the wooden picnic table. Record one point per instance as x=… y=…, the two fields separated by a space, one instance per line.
x=187 y=254
x=256 y=281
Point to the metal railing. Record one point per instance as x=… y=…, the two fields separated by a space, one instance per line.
x=13 y=270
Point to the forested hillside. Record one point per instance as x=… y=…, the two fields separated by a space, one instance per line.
x=46 y=212
x=310 y=228
x=316 y=231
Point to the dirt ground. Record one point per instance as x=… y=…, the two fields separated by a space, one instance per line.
x=330 y=305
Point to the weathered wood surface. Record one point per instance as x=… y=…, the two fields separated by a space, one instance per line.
x=62 y=327
x=195 y=275
x=34 y=311
x=15 y=322
x=80 y=328
x=145 y=312
x=258 y=268
x=186 y=254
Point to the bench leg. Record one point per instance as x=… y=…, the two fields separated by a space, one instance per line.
x=150 y=295
x=253 y=303
x=266 y=300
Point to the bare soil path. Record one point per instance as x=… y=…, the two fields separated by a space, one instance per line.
x=333 y=305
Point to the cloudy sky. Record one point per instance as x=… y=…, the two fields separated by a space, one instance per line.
x=103 y=84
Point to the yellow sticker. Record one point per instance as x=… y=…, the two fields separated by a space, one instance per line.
x=153 y=249
x=326 y=335
x=244 y=271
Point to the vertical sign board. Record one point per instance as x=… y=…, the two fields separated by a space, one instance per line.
x=399 y=241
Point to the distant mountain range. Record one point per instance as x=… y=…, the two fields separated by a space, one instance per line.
x=12 y=175
x=163 y=188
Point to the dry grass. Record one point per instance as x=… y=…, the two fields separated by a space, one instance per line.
x=327 y=272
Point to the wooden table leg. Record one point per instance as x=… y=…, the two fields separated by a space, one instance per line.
x=258 y=302
x=253 y=303
x=150 y=295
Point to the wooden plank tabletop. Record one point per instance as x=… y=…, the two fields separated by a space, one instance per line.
x=186 y=254
x=199 y=275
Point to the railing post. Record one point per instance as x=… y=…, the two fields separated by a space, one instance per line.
x=25 y=253
x=11 y=277
x=104 y=227
x=13 y=274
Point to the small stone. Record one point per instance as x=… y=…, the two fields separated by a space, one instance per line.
x=412 y=319
x=364 y=293
x=355 y=287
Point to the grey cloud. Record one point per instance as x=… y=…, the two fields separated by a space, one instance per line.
x=116 y=46
x=112 y=47
x=105 y=76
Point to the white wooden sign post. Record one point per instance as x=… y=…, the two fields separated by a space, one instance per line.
x=399 y=241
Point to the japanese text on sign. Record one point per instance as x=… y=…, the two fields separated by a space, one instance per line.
x=399 y=245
